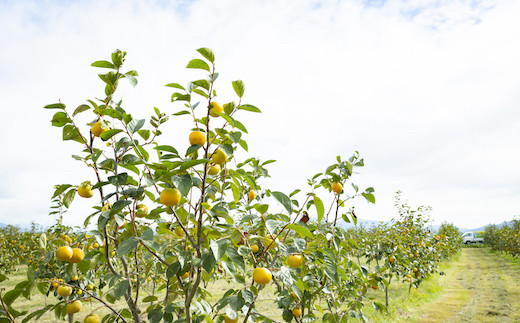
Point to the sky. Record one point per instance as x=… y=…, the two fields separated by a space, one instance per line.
x=426 y=91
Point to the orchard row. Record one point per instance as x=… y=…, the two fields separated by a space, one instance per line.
x=404 y=249
x=167 y=223
x=505 y=238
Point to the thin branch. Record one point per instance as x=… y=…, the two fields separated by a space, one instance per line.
x=5 y=306
x=97 y=298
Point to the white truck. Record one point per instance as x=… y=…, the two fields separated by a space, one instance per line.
x=473 y=237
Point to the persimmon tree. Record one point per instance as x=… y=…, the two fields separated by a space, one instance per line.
x=405 y=249
x=505 y=238
x=165 y=222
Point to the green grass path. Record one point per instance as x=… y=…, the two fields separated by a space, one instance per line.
x=481 y=286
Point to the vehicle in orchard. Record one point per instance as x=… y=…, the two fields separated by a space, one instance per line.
x=473 y=237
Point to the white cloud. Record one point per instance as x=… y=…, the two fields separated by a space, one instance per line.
x=426 y=91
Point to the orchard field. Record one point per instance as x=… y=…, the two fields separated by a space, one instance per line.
x=195 y=236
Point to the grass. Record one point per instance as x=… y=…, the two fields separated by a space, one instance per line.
x=474 y=245
x=479 y=286
x=403 y=306
x=217 y=288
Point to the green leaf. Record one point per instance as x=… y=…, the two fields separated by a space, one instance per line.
x=150 y=298
x=261 y=208
x=3 y=277
x=183 y=112
x=198 y=63
x=60 y=119
x=112 y=113
x=71 y=133
x=42 y=240
x=173 y=269
x=119 y=205
x=31 y=274
x=229 y=119
x=183 y=183
x=37 y=314
x=239 y=87
x=284 y=200
x=143 y=152
x=102 y=220
x=80 y=109
x=175 y=85
x=144 y=133
x=348 y=166
x=236 y=192
x=60 y=189
x=219 y=247
x=207 y=53
x=69 y=197
x=236 y=302
x=147 y=235
x=229 y=108
x=235 y=136
x=127 y=246
x=208 y=261
x=111 y=299
x=192 y=149
x=240 y=126
x=109 y=134
x=193 y=162
x=379 y=307
x=155 y=315
x=135 y=125
x=300 y=245
x=135 y=193
x=369 y=197
x=55 y=106
x=244 y=251
x=319 y=208
x=273 y=225
x=243 y=144
x=249 y=107
x=119 y=179
x=10 y=296
x=107 y=164
x=202 y=83
x=248 y=295
x=237 y=259
x=169 y=149
x=301 y=230
x=201 y=93
x=121 y=288
x=103 y=64
x=181 y=97
x=131 y=79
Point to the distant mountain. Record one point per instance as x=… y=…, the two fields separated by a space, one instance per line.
x=483 y=228
x=22 y=227
x=360 y=222
x=433 y=228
